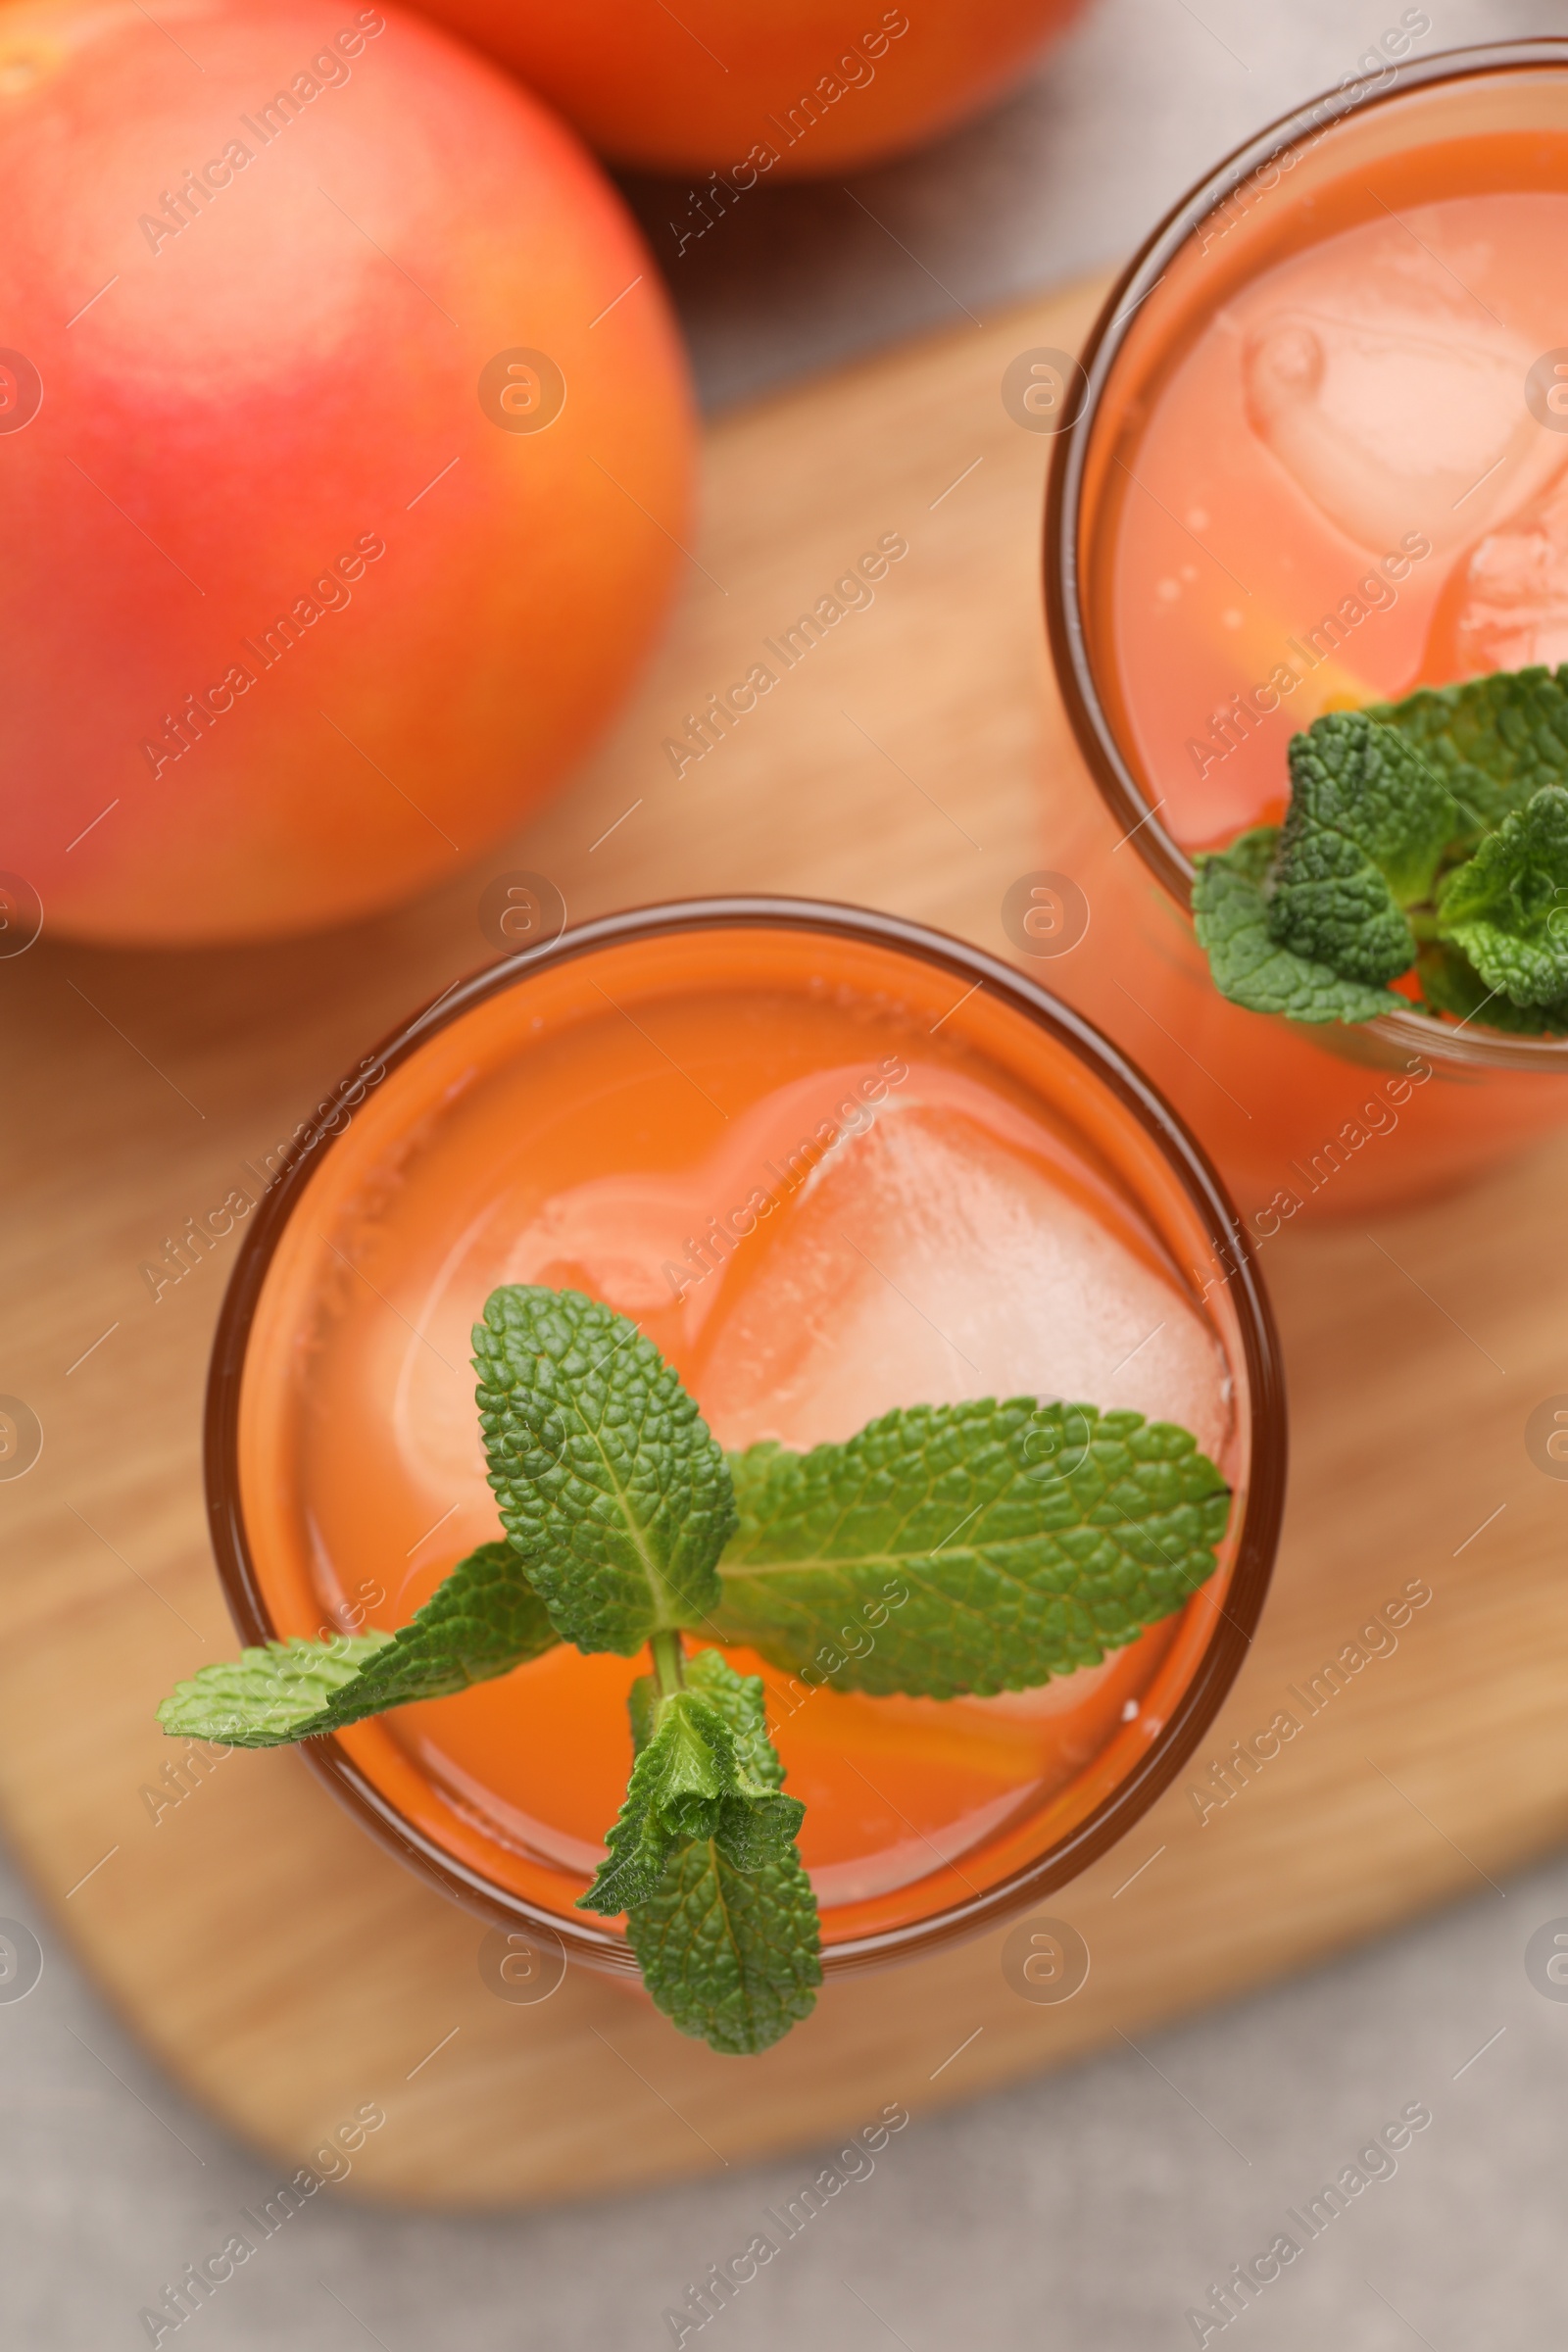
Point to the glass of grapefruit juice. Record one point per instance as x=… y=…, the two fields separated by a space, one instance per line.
x=1319 y=458
x=831 y=1164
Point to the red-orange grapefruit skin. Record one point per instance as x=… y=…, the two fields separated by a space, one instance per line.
x=246 y=395
x=718 y=85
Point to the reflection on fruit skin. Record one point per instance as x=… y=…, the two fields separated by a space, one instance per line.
x=296 y=627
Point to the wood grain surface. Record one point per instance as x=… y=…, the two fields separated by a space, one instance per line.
x=277 y=1963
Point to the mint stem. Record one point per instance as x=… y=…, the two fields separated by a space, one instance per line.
x=668 y=1670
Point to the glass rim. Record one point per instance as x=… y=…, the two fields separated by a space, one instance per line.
x=1261 y=1364
x=1119 y=786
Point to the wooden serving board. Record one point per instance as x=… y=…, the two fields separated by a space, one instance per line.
x=281 y=1966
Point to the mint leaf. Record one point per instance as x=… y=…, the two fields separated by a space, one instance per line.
x=967 y=1547
x=267 y=1697
x=693 y=1779
x=1368 y=824
x=482 y=1621
x=729 y=1950
x=1451 y=984
x=1507 y=908
x=742 y=1700
x=611 y=1488
x=676 y=1787
x=1247 y=964
x=1494 y=742
x=730 y=1956
x=756 y=1823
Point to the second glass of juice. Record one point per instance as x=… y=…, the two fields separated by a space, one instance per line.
x=830 y=1164
x=1320 y=459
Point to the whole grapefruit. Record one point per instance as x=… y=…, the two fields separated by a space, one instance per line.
x=739 y=88
x=345 y=444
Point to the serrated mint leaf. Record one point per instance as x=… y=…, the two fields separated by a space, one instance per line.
x=756 y=1822
x=730 y=1956
x=1369 y=786
x=267 y=1697
x=1331 y=906
x=482 y=1621
x=611 y=1488
x=742 y=1700
x=1247 y=964
x=1365 y=831
x=676 y=1787
x=967 y=1547
x=1507 y=908
x=704 y=1769
x=1451 y=984
x=1493 y=741
x=729 y=1948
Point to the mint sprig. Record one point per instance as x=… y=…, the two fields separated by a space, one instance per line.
x=729 y=1948
x=1429 y=835
x=973 y=1547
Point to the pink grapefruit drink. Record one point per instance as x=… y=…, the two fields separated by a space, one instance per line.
x=1320 y=459
x=830 y=1166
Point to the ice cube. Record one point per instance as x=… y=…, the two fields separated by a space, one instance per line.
x=1506 y=603
x=931 y=1259
x=928 y=1258
x=1391 y=395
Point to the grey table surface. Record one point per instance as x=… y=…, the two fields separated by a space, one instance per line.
x=1088 y=2208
